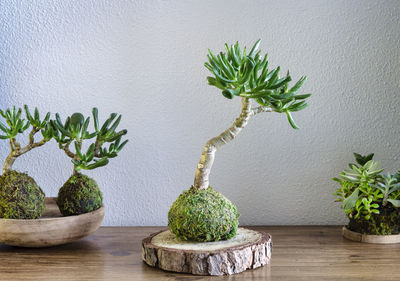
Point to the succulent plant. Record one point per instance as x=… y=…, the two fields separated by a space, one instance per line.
x=75 y=130
x=246 y=75
x=370 y=200
x=15 y=124
x=20 y=196
x=389 y=185
x=362 y=160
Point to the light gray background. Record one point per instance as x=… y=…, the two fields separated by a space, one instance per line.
x=145 y=59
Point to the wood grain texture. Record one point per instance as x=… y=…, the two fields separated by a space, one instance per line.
x=248 y=250
x=306 y=253
x=366 y=238
x=50 y=230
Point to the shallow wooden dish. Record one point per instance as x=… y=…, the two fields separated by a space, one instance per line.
x=51 y=229
x=367 y=238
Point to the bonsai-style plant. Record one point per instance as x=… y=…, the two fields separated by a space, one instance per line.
x=201 y=213
x=80 y=193
x=370 y=200
x=20 y=196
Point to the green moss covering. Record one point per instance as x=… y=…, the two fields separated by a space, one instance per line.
x=20 y=197
x=203 y=215
x=385 y=223
x=79 y=195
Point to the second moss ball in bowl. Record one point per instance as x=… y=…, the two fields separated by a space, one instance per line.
x=80 y=194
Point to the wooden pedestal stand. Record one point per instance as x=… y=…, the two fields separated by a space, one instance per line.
x=249 y=249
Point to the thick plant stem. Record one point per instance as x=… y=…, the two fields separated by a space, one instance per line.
x=201 y=180
x=8 y=163
x=70 y=154
x=67 y=151
x=17 y=150
x=76 y=158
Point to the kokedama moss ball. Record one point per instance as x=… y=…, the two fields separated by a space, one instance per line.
x=203 y=215
x=20 y=197
x=79 y=195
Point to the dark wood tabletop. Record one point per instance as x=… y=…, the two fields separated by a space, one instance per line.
x=114 y=253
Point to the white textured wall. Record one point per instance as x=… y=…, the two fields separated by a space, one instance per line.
x=145 y=59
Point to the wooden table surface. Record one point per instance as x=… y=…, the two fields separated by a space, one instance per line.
x=114 y=253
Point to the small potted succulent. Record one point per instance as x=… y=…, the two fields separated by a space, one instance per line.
x=80 y=194
x=370 y=200
x=201 y=213
x=20 y=196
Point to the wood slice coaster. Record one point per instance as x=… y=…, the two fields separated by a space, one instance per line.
x=368 y=238
x=249 y=249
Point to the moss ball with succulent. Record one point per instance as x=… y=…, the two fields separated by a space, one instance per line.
x=80 y=193
x=201 y=213
x=370 y=200
x=20 y=196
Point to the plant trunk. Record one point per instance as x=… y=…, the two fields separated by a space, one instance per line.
x=17 y=150
x=76 y=158
x=201 y=180
x=8 y=163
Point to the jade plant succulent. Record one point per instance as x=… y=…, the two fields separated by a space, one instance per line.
x=20 y=196
x=201 y=213
x=80 y=193
x=370 y=200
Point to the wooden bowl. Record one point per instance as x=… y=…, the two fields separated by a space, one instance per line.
x=368 y=238
x=51 y=229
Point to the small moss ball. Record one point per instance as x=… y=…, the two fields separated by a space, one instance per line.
x=20 y=197
x=79 y=195
x=203 y=215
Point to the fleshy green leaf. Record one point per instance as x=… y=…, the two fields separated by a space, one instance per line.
x=395 y=203
x=291 y=121
x=350 y=202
